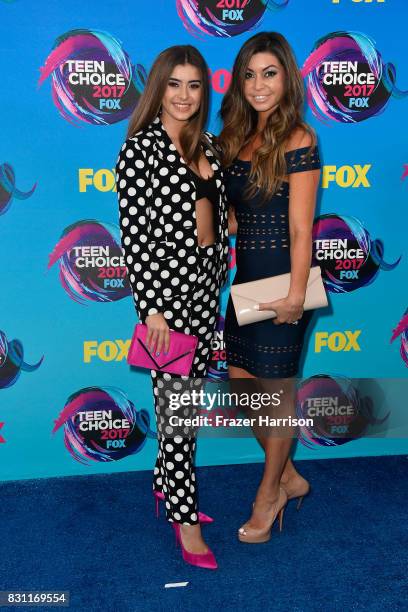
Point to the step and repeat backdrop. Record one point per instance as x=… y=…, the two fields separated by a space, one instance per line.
x=71 y=74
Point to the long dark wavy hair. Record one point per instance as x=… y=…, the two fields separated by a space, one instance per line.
x=149 y=105
x=268 y=167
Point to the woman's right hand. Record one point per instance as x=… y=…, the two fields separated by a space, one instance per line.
x=158 y=333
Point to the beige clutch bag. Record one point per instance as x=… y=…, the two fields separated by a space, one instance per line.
x=246 y=295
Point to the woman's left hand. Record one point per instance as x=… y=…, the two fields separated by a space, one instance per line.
x=287 y=310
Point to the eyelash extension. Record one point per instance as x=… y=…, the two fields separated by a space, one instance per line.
x=193 y=85
x=270 y=72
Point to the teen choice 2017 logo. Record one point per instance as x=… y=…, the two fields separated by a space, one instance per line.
x=91 y=263
x=346 y=79
x=102 y=424
x=348 y=257
x=218 y=369
x=224 y=18
x=12 y=361
x=92 y=78
x=8 y=189
x=401 y=331
x=339 y=411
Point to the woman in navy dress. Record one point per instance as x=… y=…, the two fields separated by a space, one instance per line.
x=271 y=181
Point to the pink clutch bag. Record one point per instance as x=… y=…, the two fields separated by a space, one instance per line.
x=178 y=360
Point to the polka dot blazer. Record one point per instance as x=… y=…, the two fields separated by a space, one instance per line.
x=156 y=195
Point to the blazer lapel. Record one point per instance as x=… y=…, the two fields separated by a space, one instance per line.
x=167 y=152
x=165 y=148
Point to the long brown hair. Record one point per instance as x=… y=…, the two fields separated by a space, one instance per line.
x=150 y=101
x=268 y=167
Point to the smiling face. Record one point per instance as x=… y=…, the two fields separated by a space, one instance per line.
x=182 y=97
x=264 y=83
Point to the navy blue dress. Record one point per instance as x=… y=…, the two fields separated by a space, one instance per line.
x=263 y=249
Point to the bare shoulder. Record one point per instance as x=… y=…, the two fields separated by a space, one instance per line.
x=298 y=139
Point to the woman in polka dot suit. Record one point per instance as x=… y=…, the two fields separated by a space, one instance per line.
x=174 y=231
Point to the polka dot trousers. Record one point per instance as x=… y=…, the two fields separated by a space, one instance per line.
x=174 y=472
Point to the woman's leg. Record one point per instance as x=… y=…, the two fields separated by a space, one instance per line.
x=174 y=470
x=289 y=473
x=204 y=312
x=278 y=468
x=277 y=442
x=158 y=472
x=178 y=470
x=175 y=465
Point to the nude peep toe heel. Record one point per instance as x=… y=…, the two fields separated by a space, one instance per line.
x=252 y=535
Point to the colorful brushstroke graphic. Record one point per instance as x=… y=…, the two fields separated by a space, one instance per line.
x=347 y=80
x=92 y=78
x=102 y=424
x=12 y=361
x=8 y=189
x=91 y=262
x=218 y=369
x=224 y=18
x=401 y=331
x=348 y=257
x=340 y=414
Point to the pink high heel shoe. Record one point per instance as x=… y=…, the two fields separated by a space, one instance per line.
x=202 y=518
x=205 y=560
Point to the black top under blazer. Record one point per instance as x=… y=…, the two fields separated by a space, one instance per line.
x=156 y=195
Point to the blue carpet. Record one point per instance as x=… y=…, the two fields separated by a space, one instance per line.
x=97 y=537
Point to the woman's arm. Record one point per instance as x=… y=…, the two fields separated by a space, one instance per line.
x=301 y=213
x=133 y=184
x=302 y=202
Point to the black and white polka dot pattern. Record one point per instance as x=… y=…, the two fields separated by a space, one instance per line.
x=156 y=195
x=174 y=472
x=170 y=273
